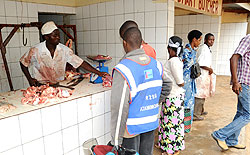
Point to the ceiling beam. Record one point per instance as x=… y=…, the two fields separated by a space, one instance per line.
x=235 y=1
x=236 y=10
x=245 y=6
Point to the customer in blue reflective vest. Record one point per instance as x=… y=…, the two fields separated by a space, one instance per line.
x=136 y=89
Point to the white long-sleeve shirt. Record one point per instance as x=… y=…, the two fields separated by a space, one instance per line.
x=173 y=70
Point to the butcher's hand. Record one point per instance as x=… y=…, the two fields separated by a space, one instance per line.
x=33 y=82
x=236 y=87
x=103 y=74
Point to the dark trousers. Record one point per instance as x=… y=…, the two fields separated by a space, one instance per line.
x=143 y=143
x=199 y=106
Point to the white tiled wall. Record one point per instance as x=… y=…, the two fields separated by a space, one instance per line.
x=98 y=26
x=205 y=24
x=59 y=129
x=13 y=12
x=230 y=36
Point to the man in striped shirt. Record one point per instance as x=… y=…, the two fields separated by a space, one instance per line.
x=240 y=79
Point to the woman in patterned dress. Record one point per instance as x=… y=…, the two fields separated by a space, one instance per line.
x=171 y=129
x=189 y=58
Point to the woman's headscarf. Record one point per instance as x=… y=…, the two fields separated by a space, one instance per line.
x=176 y=42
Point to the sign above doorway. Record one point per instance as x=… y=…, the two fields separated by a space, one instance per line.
x=209 y=7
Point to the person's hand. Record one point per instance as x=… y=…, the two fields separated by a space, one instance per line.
x=236 y=88
x=107 y=81
x=103 y=74
x=210 y=71
x=33 y=82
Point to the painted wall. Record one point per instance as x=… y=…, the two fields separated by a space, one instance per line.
x=72 y=3
x=248 y=25
x=98 y=26
x=89 y=2
x=233 y=17
x=182 y=12
x=204 y=23
x=13 y=12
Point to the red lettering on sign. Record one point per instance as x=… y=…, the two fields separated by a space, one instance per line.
x=210 y=6
x=207 y=6
x=190 y=3
x=216 y=7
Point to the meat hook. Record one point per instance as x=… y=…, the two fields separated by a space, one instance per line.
x=24 y=43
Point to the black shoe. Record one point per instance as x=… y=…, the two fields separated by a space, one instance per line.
x=198 y=118
x=204 y=113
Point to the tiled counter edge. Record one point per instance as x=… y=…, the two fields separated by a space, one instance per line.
x=58 y=129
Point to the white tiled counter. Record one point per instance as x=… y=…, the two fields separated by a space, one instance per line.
x=57 y=128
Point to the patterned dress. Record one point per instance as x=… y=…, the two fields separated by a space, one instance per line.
x=171 y=129
x=189 y=57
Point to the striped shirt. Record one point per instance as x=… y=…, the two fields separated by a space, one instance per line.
x=243 y=70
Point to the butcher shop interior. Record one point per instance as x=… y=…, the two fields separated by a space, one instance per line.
x=56 y=100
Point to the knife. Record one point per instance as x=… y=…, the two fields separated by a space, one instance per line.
x=77 y=81
x=58 y=85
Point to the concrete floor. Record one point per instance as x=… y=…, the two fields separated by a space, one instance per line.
x=221 y=109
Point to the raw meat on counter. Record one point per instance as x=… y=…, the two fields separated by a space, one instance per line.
x=70 y=75
x=43 y=94
x=6 y=108
x=107 y=81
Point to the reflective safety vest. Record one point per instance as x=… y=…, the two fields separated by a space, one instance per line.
x=145 y=82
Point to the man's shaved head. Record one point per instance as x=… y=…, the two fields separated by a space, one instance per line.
x=133 y=37
x=128 y=24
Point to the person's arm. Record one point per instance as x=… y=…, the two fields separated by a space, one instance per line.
x=88 y=67
x=181 y=85
x=210 y=70
x=202 y=58
x=119 y=108
x=25 y=61
x=166 y=86
x=243 y=47
x=177 y=72
x=233 y=68
x=32 y=81
x=77 y=62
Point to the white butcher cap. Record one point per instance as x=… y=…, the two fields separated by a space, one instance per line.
x=48 y=28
